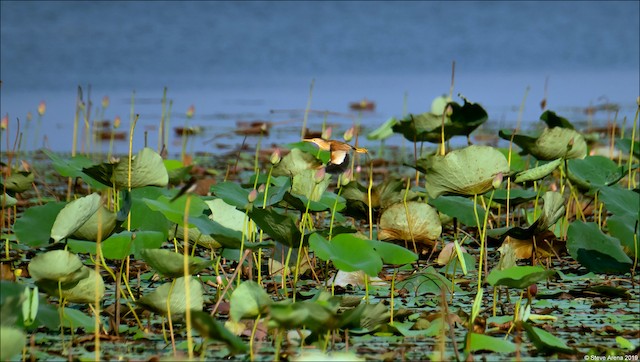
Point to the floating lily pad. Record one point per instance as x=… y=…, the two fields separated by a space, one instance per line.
x=249 y=300
x=546 y=342
x=174 y=294
x=482 y=342
x=467 y=171
x=74 y=215
x=171 y=264
x=417 y=222
x=596 y=251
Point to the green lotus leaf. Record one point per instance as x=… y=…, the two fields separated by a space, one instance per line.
x=482 y=342
x=248 y=300
x=85 y=290
x=12 y=342
x=282 y=228
x=103 y=219
x=171 y=264
x=417 y=222
x=347 y=252
x=537 y=173
x=147 y=169
x=467 y=171
x=383 y=132
x=232 y=193
x=519 y=277
x=57 y=265
x=623 y=227
x=439 y=104
x=74 y=215
x=553 y=209
x=19 y=181
x=556 y=142
x=7 y=201
x=596 y=251
x=297 y=161
x=42 y=215
x=305 y=184
x=229 y=216
x=459 y=207
x=171 y=297
x=621 y=201
x=422 y=127
x=553 y=120
x=174 y=210
x=545 y=342
x=516 y=196
x=73 y=167
x=594 y=172
x=209 y=327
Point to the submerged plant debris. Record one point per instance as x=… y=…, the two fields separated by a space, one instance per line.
x=525 y=252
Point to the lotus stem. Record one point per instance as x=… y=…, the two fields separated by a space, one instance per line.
x=187 y=276
x=632 y=181
x=173 y=340
x=96 y=291
x=161 y=130
x=253 y=337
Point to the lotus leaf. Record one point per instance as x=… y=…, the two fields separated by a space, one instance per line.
x=519 y=277
x=86 y=289
x=295 y=162
x=171 y=297
x=73 y=167
x=482 y=342
x=19 y=181
x=538 y=172
x=553 y=120
x=417 y=222
x=171 y=264
x=74 y=215
x=103 y=219
x=467 y=171
x=552 y=143
x=44 y=216
x=56 y=265
x=305 y=184
x=384 y=131
x=459 y=207
x=147 y=169
x=596 y=251
x=594 y=172
x=546 y=342
x=347 y=252
x=12 y=342
x=249 y=300
x=6 y=200
x=208 y=327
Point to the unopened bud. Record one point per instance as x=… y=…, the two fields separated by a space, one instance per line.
x=191 y=111
x=29 y=116
x=497 y=180
x=326 y=134
x=319 y=176
x=4 y=123
x=116 y=122
x=42 y=107
x=262 y=187
x=346 y=177
x=252 y=195
x=105 y=102
x=275 y=157
x=348 y=134
x=449 y=110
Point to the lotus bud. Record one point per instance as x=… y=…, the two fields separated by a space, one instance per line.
x=497 y=180
x=348 y=134
x=105 y=101
x=275 y=157
x=116 y=122
x=638 y=100
x=42 y=107
x=449 y=110
x=191 y=111
x=346 y=177
x=262 y=187
x=253 y=195
x=326 y=134
x=29 y=116
x=4 y=123
x=531 y=291
x=319 y=176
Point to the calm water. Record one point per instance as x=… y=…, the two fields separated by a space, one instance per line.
x=237 y=61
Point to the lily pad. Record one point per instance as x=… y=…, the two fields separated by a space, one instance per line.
x=171 y=297
x=594 y=172
x=546 y=342
x=621 y=201
x=482 y=342
x=74 y=215
x=467 y=171
x=417 y=222
x=44 y=216
x=596 y=251
x=171 y=264
x=347 y=252
x=282 y=228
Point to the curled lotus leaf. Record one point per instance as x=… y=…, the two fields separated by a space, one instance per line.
x=147 y=169
x=103 y=220
x=418 y=221
x=467 y=171
x=57 y=265
x=74 y=215
x=171 y=297
x=86 y=291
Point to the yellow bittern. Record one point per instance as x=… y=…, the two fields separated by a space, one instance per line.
x=338 y=152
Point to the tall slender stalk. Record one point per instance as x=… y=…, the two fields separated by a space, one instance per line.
x=306 y=111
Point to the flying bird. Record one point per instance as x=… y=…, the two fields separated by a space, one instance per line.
x=338 y=152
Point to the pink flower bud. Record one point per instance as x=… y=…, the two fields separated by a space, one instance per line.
x=253 y=195
x=497 y=180
x=191 y=111
x=42 y=107
x=105 y=101
x=261 y=188
x=348 y=134
x=4 y=123
x=319 y=176
x=326 y=134
x=116 y=122
x=346 y=177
